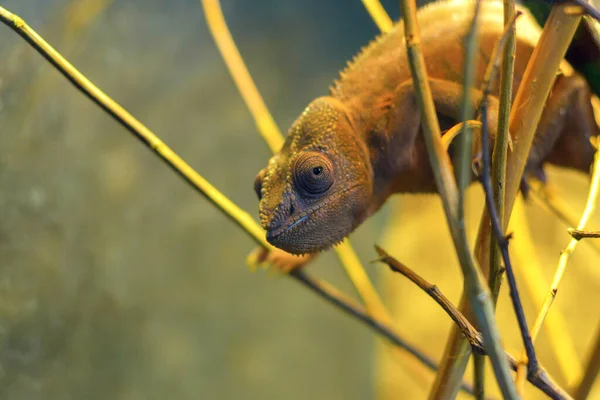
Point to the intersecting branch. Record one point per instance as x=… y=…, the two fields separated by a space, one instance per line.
x=541 y=380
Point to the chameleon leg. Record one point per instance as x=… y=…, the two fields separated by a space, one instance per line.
x=406 y=146
x=566 y=127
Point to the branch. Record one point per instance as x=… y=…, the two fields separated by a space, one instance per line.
x=564 y=257
x=496 y=270
x=503 y=140
x=559 y=208
x=485 y=180
x=533 y=275
x=464 y=154
x=541 y=380
x=350 y=307
x=378 y=15
x=579 y=234
x=463 y=324
x=262 y=117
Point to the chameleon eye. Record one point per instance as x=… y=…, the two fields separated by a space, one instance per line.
x=313 y=173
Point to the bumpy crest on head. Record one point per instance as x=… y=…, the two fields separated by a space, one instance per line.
x=312 y=190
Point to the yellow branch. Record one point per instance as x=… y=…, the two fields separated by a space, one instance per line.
x=264 y=121
x=564 y=257
x=239 y=216
x=535 y=283
x=379 y=15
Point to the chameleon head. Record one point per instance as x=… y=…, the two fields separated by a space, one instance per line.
x=317 y=189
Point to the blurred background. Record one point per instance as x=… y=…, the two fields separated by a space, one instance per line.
x=119 y=282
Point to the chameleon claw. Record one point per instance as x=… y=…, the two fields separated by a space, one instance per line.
x=256 y=259
x=276 y=259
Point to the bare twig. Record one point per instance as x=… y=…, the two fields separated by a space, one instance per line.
x=464 y=154
x=432 y=290
x=351 y=307
x=474 y=337
x=579 y=234
x=503 y=140
x=479 y=376
x=272 y=135
x=237 y=68
x=463 y=158
x=485 y=180
x=535 y=282
x=344 y=303
x=564 y=257
x=558 y=206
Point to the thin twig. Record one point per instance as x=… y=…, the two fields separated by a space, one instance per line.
x=453 y=132
x=432 y=290
x=560 y=208
x=579 y=234
x=503 y=140
x=237 y=68
x=540 y=380
x=479 y=376
x=564 y=257
x=478 y=294
x=464 y=153
x=351 y=307
x=484 y=178
x=463 y=158
x=344 y=303
x=148 y=138
x=378 y=15
x=535 y=282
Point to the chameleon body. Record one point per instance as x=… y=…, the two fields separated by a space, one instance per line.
x=349 y=151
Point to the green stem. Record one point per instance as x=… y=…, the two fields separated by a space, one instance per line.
x=499 y=155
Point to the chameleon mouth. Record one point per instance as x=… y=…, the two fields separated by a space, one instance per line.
x=285 y=229
x=294 y=224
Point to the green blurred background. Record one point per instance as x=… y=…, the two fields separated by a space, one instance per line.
x=119 y=282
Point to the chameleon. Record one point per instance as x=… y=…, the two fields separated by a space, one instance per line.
x=349 y=151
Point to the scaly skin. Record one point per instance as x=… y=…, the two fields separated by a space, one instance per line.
x=349 y=151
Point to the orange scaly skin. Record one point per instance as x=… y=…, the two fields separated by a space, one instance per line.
x=349 y=151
